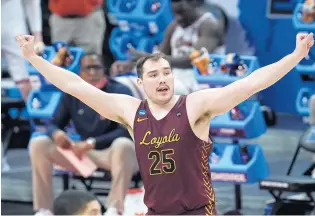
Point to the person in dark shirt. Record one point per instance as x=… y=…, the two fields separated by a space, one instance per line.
x=113 y=147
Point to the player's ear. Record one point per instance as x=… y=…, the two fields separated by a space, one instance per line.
x=139 y=82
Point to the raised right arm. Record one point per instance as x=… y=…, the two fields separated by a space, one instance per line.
x=116 y=107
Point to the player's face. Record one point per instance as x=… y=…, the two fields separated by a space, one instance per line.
x=92 y=69
x=182 y=12
x=158 y=81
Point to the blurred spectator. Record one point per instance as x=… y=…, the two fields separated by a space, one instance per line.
x=14 y=23
x=74 y=202
x=114 y=149
x=79 y=23
x=192 y=29
x=14 y=17
x=312 y=110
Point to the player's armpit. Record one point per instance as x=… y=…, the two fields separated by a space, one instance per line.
x=215 y=101
x=120 y=108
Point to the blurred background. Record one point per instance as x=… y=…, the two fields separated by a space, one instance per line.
x=263 y=146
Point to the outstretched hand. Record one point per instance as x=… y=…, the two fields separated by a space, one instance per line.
x=304 y=42
x=26 y=43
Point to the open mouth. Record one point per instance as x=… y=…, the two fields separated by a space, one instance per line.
x=162 y=89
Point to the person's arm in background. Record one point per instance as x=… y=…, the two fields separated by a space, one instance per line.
x=60 y=119
x=105 y=140
x=33 y=13
x=56 y=131
x=165 y=46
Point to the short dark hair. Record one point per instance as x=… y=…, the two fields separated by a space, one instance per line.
x=71 y=202
x=98 y=56
x=155 y=57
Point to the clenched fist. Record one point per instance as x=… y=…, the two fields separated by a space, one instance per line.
x=304 y=42
x=27 y=43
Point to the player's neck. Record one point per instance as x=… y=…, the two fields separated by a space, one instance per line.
x=156 y=107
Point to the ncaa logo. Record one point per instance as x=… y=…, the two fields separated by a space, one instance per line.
x=142 y=112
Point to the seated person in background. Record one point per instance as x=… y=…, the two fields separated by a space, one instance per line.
x=114 y=149
x=74 y=202
x=312 y=110
x=192 y=29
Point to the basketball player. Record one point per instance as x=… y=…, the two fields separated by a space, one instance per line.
x=191 y=29
x=171 y=132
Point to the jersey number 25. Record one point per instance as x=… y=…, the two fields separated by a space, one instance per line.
x=162 y=162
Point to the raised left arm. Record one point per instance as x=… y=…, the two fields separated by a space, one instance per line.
x=212 y=102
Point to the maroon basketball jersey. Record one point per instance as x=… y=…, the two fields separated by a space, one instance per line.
x=173 y=163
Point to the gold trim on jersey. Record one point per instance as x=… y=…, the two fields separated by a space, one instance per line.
x=158 y=141
x=210 y=208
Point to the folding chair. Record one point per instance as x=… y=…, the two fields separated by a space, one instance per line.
x=277 y=185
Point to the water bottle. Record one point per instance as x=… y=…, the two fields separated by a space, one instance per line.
x=213 y=67
x=231 y=63
x=59 y=44
x=63 y=56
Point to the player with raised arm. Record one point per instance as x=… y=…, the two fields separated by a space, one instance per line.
x=171 y=132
